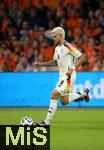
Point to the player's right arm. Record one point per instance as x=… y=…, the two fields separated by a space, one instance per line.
x=48 y=63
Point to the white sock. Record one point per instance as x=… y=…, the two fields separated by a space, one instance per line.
x=74 y=96
x=51 y=111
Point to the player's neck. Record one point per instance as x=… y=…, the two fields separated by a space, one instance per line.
x=62 y=42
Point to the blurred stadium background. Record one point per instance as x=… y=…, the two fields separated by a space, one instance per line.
x=25 y=90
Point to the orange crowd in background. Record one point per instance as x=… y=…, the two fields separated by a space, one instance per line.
x=25 y=32
x=50 y=3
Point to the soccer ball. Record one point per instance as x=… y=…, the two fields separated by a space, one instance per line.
x=26 y=121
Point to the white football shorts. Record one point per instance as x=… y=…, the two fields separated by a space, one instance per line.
x=64 y=86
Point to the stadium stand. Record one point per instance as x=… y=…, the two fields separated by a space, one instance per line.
x=25 y=32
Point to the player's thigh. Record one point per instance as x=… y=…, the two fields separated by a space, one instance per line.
x=64 y=86
x=55 y=95
x=64 y=97
x=61 y=86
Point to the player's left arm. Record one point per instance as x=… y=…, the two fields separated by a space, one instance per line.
x=80 y=60
x=78 y=56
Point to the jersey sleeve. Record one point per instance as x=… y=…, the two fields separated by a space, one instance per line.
x=73 y=50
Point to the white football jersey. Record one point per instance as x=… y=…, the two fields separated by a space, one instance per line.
x=65 y=55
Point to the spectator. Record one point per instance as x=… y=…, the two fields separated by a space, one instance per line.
x=92 y=30
x=25 y=27
x=9 y=61
x=73 y=20
x=98 y=66
x=93 y=58
x=10 y=29
x=51 y=25
x=88 y=46
x=23 y=65
x=46 y=50
x=33 y=55
x=60 y=14
x=35 y=44
x=42 y=11
x=19 y=19
x=15 y=7
x=50 y=16
x=85 y=67
x=34 y=19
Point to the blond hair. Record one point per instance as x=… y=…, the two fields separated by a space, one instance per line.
x=59 y=31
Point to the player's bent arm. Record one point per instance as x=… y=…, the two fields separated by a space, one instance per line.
x=80 y=61
x=48 y=63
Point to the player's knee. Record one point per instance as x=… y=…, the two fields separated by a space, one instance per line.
x=54 y=95
x=64 y=102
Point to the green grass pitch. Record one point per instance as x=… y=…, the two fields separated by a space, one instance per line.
x=71 y=129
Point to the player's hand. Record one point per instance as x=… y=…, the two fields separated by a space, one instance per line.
x=38 y=64
x=70 y=71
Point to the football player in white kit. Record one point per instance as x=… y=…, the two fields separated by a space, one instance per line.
x=68 y=58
